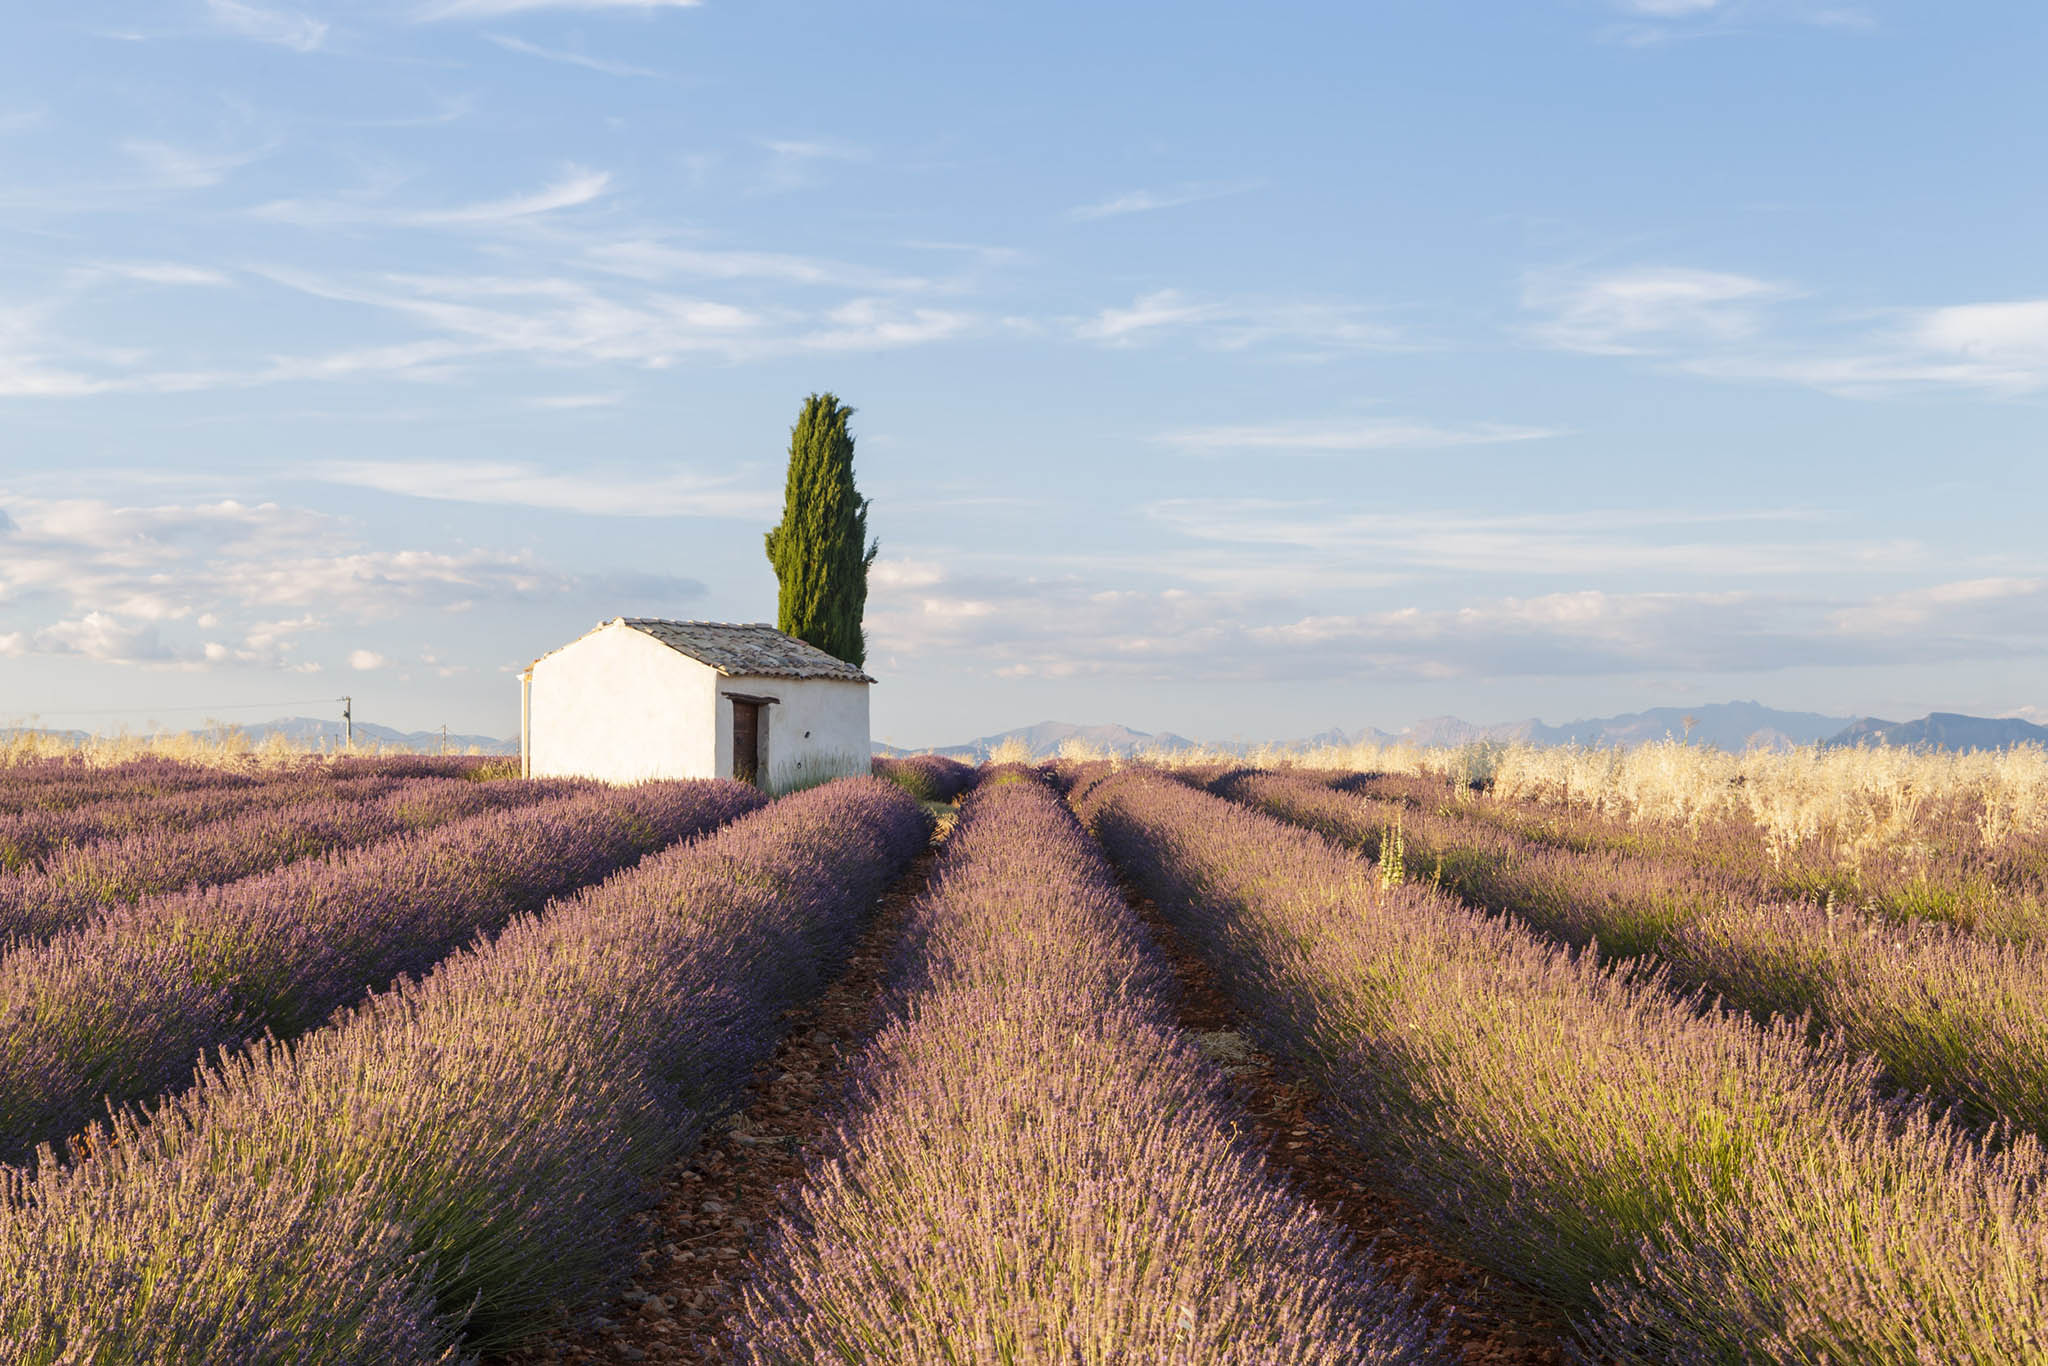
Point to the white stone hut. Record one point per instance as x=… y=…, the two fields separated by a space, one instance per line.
x=639 y=697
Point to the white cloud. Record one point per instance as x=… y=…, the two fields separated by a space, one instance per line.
x=1348 y=434
x=104 y=638
x=1071 y=624
x=576 y=187
x=2009 y=338
x=365 y=660
x=549 y=54
x=1145 y=201
x=591 y=492
x=283 y=28
x=137 y=584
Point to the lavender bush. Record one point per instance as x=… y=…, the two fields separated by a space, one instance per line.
x=1036 y=1166
x=927 y=777
x=1691 y=1186
x=464 y=1150
x=116 y=1012
x=1961 y=1016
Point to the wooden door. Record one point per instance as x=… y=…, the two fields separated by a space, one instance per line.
x=746 y=741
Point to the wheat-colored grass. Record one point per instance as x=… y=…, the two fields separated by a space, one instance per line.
x=217 y=746
x=1855 y=798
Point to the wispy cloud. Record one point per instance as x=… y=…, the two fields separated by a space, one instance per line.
x=1348 y=434
x=566 y=58
x=171 y=167
x=164 y=273
x=1621 y=541
x=1144 y=201
x=795 y=163
x=1647 y=23
x=575 y=402
x=467 y=322
x=1738 y=327
x=1237 y=325
x=574 y=188
x=284 y=28
x=653 y=260
x=591 y=492
x=1631 y=312
x=498 y=9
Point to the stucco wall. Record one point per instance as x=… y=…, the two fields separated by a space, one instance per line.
x=621 y=706
x=817 y=729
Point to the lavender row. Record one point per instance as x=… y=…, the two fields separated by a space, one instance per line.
x=1035 y=1165
x=1690 y=1186
x=454 y=1163
x=928 y=777
x=29 y=837
x=116 y=1012
x=63 y=784
x=80 y=884
x=1958 y=1015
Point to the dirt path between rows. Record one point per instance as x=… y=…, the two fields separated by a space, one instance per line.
x=1490 y=1321
x=694 y=1244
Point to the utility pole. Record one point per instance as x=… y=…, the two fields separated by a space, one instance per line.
x=348 y=722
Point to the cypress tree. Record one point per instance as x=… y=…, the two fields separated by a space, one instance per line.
x=820 y=549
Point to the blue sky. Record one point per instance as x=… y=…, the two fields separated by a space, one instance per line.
x=1234 y=371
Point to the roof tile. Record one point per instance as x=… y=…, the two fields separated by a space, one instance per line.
x=746 y=649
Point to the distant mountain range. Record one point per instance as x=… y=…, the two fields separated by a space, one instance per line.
x=1946 y=730
x=310 y=731
x=1046 y=737
x=1723 y=725
x=1734 y=726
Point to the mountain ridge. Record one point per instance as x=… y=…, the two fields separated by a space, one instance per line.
x=1734 y=726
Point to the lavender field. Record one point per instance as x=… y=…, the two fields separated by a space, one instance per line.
x=402 y=1060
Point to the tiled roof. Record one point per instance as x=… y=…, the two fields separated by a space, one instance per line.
x=746 y=649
